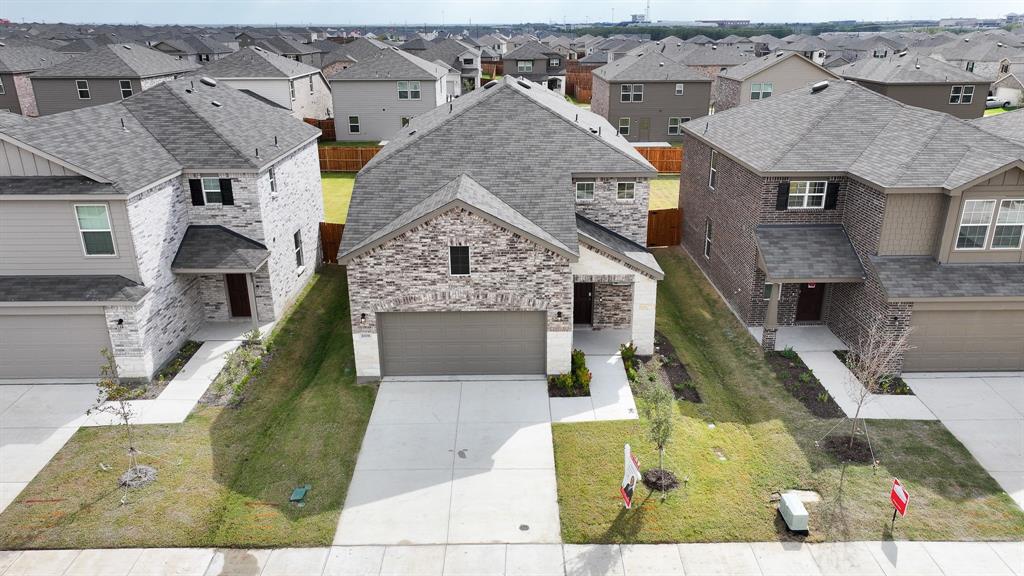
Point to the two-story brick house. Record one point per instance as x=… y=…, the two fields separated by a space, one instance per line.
x=128 y=225
x=839 y=206
x=475 y=251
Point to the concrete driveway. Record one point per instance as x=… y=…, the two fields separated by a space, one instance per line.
x=35 y=422
x=464 y=461
x=985 y=411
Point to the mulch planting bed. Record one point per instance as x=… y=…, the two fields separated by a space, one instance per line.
x=892 y=385
x=660 y=480
x=802 y=384
x=839 y=446
x=672 y=370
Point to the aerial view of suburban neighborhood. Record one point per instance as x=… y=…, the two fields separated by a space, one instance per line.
x=491 y=288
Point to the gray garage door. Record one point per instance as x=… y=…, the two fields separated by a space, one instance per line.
x=959 y=340
x=438 y=343
x=52 y=345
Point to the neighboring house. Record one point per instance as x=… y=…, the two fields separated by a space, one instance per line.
x=874 y=46
x=16 y=64
x=347 y=54
x=839 y=206
x=923 y=82
x=538 y=63
x=457 y=56
x=294 y=86
x=495 y=42
x=739 y=42
x=198 y=49
x=290 y=48
x=1009 y=86
x=107 y=74
x=460 y=261
x=982 y=56
x=811 y=47
x=648 y=97
x=761 y=78
x=765 y=44
x=377 y=96
x=129 y=225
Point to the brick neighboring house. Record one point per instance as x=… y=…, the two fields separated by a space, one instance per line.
x=923 y=82
x=536 y=62
x=475 y=251
x=456 y=55
x=16 y=64
x=648 y=97
x=761 y=78
x=106 y=74
x=841 y=206
x=129 y=225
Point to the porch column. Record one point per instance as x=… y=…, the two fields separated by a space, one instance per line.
x=771 y=319
x=252 y=300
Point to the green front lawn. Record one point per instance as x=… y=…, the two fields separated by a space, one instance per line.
x=768 y=440
x=225 y=474
x=337 y=187
x=664 y=193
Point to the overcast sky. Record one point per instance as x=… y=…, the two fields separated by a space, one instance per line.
x=412 y=12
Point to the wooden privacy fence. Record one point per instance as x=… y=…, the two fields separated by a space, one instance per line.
x=489 y=69
x=326 y=127
x=330 y=241
x=663 y=227
x=665 y=159
x=578 y=85
x=345 y=159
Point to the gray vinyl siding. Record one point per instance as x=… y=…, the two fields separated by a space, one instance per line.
x=378 y=107
x=55 y=95
x=933 y=97
x=41 y=237
x=540 y=69
x=660 y=103
x=16 y=161
x=9 y=99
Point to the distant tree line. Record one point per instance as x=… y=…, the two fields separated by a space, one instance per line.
x=684 y=32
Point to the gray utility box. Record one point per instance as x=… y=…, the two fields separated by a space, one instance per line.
x=793 y=512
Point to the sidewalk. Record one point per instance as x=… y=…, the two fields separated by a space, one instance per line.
x=734 y=559
x=610 y=395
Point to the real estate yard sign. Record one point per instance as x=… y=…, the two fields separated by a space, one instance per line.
x=630 y=477
x=899 y=498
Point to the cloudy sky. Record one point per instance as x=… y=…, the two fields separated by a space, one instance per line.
x=356 y=12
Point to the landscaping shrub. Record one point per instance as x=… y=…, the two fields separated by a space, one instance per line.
x=576 y=382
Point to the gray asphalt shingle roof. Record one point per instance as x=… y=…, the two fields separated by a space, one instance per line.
x=920 y=277
x=532 y=50
x=391 y=64
x=215 y=248
x=748 y=69
x=648 y=66
x=27 y=58
x=907 y=70
x=52 y=186
x=848 y=128
x=89 y=288
x=534 y=143
x=631 y=251
x=118 y=61
x=808 y=252
x=1009 y=125
x=255 y=62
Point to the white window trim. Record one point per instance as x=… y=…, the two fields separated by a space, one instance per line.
x=2 y=89
x=79 y=89
x=632 y=197
x=131 y=91
x=713 y=170
x=291 y=89
x=770 y=289
x=411 y=86
x=761 y=92
x=593 y=190
x=81 y=236
x=988 y=227
x=358 y=129
x=202 y=185
x=300 y=259
x=632 y=92
x=627 y=122
x=680 y=89
x=554 y=62
x=807 y=194
x=963 y=92
x=273 y=180
x=708 y=231
x=679 y=126
x=524 y=65
x=469 y=258
x=995 y=224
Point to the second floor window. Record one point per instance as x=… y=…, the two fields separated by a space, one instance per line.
x=83 y=89
x=467 y=61
x=713 y=175
x=680 y=88
x=273 y=181
x=126 y=88
x=707 y=238
x=625 y=191
x=554 y=63
x=458 y=260
x=624 y=126
x=409 y=90
x=212 y=193
x=94 y=227
x=291 y=89
x=974 y=224
x=761 y=90
x=584 y=191
x=675 y=125
x=807 y=194
x=1009 y=225
x=961 y=95
x=631 y=93
x=524 y=65
x=297 y=240
x=2 y=89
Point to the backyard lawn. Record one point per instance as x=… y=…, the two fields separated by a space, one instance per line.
x=664 y=193
x=750 y=439
x=337 y=194
x=225 y=474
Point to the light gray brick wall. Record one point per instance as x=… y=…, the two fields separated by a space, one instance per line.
x=613 y=305
x=508 y=272
x=244 y=216
x=214 y=295
x=26 y=97
x=627 y=217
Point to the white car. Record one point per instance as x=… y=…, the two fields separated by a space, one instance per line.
x=992 y=102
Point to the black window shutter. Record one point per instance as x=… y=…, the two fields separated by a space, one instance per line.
x=227 y=196
x=782 y=200
x=195 y=185
x=832 y=196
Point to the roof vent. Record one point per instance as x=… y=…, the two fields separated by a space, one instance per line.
x=2 y=44
x=208 y=81
x=523 y=83
x=714 y=46
x=917 y=65
x=661 y=64
x=188 y=90
x=819 y=86
x=778 y=54
x=126 y=47
x=412 y=133
x=490 y=84
x=1000 y=44
x=216 y=104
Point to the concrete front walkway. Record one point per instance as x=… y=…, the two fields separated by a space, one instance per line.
x=985 y=411
x=815 y=345
x=455 y=460
x=610 y=395
x=739 y=559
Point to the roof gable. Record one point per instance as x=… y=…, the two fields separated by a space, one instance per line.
x=391 y=64
x=255 y=62
x=648 y=66
x=118 y=61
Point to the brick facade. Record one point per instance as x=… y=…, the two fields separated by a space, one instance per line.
x=599 y=97
x=26 y=96
x=727 y=93
x=627 y=217
x=613 y=305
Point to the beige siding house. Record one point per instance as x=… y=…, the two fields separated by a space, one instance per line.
x=766 y=76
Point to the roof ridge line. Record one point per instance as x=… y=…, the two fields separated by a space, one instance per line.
x=207 y=123
x=810 y=128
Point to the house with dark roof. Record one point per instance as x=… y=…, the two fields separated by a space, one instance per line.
x=846 y=208
x=376 y=97
x=922 y=81
x=128 y=226
x=108 y=73
x=648 y=97
x=294 y=86
x=460 y=261
x=538 y=63
x=813 y=48
x=343 y=55
x=194 y=48
x=17 y=62
x=765 y=76
x=456 y=55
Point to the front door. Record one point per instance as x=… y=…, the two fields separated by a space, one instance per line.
x=810 y=302
x=583 y=303
x=238 y=295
